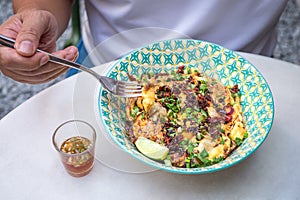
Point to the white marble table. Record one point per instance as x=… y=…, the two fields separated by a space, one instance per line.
x=30 y=168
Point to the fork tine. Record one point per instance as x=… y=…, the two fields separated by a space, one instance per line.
x=130 y=90
x=129 y=87
x=121 y=88
x=129 y=94
x=134 y=83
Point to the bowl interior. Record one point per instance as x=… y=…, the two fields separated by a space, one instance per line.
x=213 y=60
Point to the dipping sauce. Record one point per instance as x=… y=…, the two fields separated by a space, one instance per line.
x=78 y=157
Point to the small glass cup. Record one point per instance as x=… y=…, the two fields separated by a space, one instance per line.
x=75 y=142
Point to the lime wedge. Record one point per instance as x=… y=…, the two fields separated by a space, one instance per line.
x=151 y=149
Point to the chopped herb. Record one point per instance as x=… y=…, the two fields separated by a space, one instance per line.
x=183 y=115
x=184 y=142
x=204 y=153
x=217 y=160
x=193 y=86
x=134 y=112
x=188 y=110
x=238 y=141
x=199 y=136
x=143 y=115
x=203 y=113
x=188 y=163
x=196 y=165
x=203 y=89
x=187 y=70
x=205 y=161
x=191 y=147
x=178 y=77
x=222 y=140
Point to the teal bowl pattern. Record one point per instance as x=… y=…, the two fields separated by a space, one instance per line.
x=211 y=59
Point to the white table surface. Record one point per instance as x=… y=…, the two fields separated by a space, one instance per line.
x=30 y=167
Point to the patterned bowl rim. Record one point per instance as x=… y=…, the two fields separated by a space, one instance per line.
x=200 y=170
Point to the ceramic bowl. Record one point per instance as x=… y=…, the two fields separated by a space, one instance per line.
x=212 y=59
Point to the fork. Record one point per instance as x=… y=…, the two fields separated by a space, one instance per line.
x=116 y=87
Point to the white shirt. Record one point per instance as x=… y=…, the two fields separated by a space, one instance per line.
x=242 y=25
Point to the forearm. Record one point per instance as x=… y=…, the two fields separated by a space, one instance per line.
x=61 y=9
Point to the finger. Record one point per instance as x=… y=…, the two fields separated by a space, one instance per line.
x=42 y=78
x=70 y=54
x=10 y=59
x=48 y=68
x=11 y=27
x=44 y=73
x=49 y=77
x=34 y=25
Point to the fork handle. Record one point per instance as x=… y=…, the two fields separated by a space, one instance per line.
x=5 y=41
x=8 y=42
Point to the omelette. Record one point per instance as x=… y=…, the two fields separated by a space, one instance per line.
x=195 y=116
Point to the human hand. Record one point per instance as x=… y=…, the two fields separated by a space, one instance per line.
x=32 y=29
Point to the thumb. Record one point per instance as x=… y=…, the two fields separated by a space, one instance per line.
x=28 y=38
x=26 y=47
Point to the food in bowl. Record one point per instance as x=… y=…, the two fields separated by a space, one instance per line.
x=196 y=117
x=226 y=66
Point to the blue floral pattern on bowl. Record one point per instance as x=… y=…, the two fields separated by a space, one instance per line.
x=211 y=59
